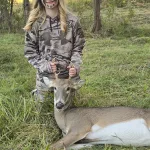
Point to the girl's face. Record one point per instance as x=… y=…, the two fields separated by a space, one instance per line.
x=50 y=4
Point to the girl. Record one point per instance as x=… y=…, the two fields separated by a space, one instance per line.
x=52 y=33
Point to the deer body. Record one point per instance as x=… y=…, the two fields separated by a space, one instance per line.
x=113 y=125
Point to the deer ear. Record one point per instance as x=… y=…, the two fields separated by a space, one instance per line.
x=79 y=84
x=48 y=82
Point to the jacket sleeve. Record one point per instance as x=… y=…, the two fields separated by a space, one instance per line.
x=78 y=45
x=31 y=51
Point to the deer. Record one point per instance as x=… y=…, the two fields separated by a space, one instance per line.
x=86 y=127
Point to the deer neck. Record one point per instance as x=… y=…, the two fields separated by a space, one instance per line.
x=60 y=115
x=60 y=118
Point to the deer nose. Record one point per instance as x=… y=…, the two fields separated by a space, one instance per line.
x=59 y=105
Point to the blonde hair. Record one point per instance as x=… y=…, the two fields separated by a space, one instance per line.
x=38 y=10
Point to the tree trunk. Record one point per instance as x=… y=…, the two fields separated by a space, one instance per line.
x=97 y=19
x=26 y=8
x=10 y=14
x=6 y=15
x=11 y=8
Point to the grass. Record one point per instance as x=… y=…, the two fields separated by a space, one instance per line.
x=116 y=71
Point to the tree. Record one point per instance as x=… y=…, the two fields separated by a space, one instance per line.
x=5 y=14
x=10 y=14
x=11 y=7
x=26 y=8
x=97 y=19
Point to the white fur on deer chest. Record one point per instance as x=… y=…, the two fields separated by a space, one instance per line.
x=133 y=132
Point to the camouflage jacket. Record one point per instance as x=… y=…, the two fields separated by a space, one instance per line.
x=46 y=41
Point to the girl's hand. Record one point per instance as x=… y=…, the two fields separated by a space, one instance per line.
x=53 y=66
x=72 y=71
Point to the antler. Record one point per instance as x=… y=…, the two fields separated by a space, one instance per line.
x=71 y=66
x=56 y=74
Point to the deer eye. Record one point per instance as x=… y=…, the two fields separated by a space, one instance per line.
x=68 y=89
x=55 y=88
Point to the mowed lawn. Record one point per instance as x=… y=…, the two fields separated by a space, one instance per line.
x=116 y=71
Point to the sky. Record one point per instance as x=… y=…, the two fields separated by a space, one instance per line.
x=19 y=1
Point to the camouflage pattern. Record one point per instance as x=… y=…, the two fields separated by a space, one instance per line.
x=45 y=41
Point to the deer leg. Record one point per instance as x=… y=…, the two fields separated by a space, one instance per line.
x=68 y=140
x=79 y=146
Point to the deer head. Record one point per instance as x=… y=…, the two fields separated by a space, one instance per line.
x=63 y=89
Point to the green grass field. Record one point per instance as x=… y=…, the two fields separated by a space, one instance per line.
x=116 y=71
